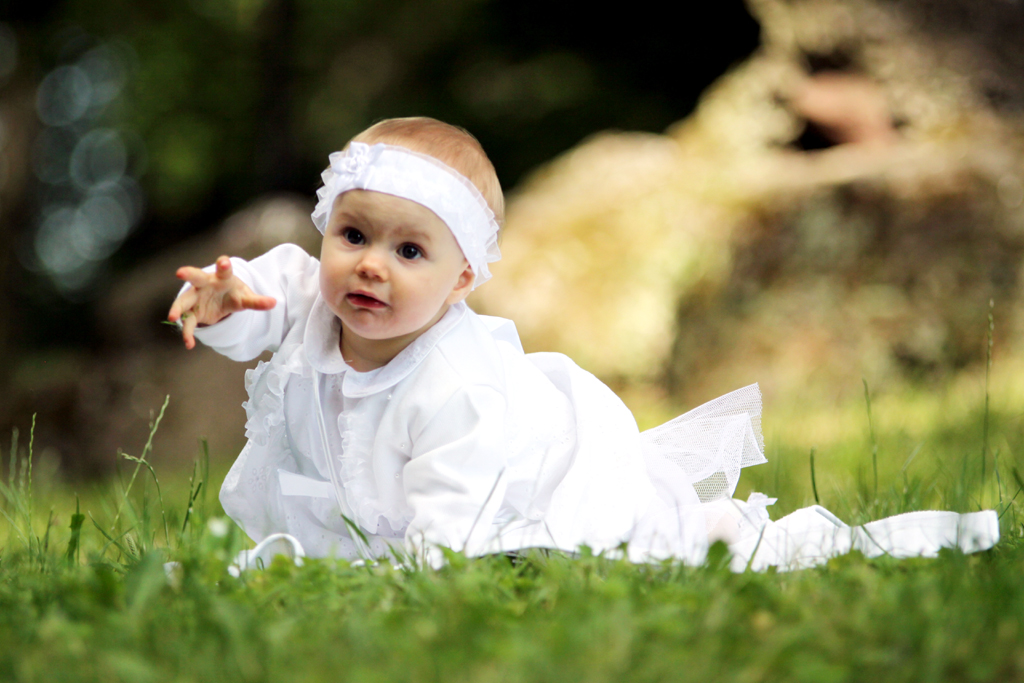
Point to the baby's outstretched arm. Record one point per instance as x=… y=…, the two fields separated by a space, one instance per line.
x=212 y=297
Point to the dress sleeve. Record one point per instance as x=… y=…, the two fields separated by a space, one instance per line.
x=454 y=481
x=286 y=273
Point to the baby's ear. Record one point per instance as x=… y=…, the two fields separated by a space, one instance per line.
x=463 y=286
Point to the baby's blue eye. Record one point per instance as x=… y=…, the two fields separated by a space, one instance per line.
x=409 y=251
x=353 y=236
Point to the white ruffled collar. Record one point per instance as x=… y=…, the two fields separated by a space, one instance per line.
x=320 y=341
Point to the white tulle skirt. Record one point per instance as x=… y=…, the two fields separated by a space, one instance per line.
x=708 y=446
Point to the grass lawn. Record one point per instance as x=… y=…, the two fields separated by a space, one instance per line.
x=85 y=596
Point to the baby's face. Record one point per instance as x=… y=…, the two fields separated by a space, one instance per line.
x=389 y=267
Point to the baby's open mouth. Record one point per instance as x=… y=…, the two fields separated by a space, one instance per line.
x=364 y=301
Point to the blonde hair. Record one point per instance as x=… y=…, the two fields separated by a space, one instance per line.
x=449 y=144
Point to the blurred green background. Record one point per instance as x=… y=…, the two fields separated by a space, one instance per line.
x=811 y=194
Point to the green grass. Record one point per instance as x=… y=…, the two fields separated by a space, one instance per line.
x=84 y=597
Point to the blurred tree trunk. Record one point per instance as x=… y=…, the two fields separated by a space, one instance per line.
x=275 y=161
x=18 y=121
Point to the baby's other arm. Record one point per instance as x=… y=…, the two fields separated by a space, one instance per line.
x=243 y=308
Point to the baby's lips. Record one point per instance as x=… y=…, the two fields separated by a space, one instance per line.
x=365 y=300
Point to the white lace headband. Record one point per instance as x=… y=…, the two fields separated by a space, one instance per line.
x=420 y=178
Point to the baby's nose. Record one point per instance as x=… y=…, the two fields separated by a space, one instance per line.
x=372 y=265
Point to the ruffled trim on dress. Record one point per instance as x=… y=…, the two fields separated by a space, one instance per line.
x=354 y=469
x=356 y=475
x=265 y=408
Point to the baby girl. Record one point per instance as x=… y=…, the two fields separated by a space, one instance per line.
x=393 y=419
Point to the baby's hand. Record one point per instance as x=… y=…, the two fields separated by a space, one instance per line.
x=211 y=298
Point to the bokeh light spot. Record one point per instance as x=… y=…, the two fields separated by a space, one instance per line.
x=64 y=96
x=106 y=72
x=53 y=241
x=98 y=159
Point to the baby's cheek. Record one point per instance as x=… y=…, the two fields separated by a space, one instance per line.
x=328 y=283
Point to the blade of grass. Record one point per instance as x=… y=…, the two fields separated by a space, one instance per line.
x=74 y=543
x=359 y=537
x=191 y=504
x=814 y=483
x=46 y=534
x=200 y=475
x=871 y=431
x=988 y=372
x=204 y=477
x=13 y=462
x=159 y=495
x=14 y=526
x=111 y=540
x=141 y=459
x=995 y=471
x=28 y=490
x=1020 y=487
x=1010 y=504
x=753 y=553
x=480 y=512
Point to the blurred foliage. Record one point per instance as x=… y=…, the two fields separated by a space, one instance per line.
x=228 y=99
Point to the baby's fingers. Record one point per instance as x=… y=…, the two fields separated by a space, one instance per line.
x=196 y=277
x=223 y=270
x=188 y=326
x=183 y=303
x=257 y=302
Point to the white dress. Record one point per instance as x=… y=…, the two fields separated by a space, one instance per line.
x=465 y=442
